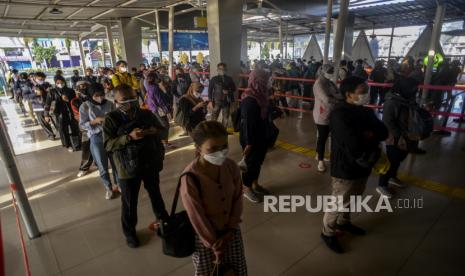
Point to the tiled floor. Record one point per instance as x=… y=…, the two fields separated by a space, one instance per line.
x=82 y=235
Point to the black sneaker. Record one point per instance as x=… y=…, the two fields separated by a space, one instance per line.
x=349 y=227
x=333 y=243
x=132 y=241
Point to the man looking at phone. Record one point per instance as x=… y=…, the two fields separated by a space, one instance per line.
x=221 y=94
x=132 y=135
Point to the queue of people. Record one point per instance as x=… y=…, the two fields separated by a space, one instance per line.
x=122 y=119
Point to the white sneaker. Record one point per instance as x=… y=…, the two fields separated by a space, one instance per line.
x=321 y=166
x=70 y=149
x=108 y=194
x=397 y=182
x=383 y=191
x=81 y=173
x=251 y=196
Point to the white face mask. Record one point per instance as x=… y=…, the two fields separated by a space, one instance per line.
x=363 y=99
x=216 y=158
x=328 y=75
x=123 y=69
x=197 y=94
x=60 y=85
x=40 y=82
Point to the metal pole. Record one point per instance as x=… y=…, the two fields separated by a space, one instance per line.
x=280 y=34
x=285 y=42
x=260 y=49
x=436 y=34
x=329 y=14
x=170 y=41
x=83 y=56
x=7 y=156
x=339 y=37
x=390 y=42
x=157 y=21
x=110 y=44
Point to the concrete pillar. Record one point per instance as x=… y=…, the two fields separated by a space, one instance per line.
x=170 y=40
x=110 y=44
x=435 y=36
x=82 y=55
x=329 y=14
x=244 y=48
x=157 y=21
x=280 y=34
x=339 y=36
x=131 y=41
x=224 y=27
x=349 y=37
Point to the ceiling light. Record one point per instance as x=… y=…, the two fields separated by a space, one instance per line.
x=55 y=11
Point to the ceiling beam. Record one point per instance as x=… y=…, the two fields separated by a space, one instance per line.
x=63 y=5
x=9 y=18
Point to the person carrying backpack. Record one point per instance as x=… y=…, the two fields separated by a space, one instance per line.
x=396 y=116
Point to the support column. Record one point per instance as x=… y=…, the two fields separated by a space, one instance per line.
x=244 y=48
x=390 y=43
x=349 y=37
x=82 y=55
x=131 y=41
x=17 y=187
x=285 y=42
x=339 y=36
x=329 y=14
x=260 y=49
x=157 y=22
x=280 y=34
x=435 y=36
x=110 y=44
x=224 y=27
x=170 y=41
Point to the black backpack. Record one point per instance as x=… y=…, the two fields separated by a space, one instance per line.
x=420 y=121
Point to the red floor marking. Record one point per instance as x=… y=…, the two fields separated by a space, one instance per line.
x=305 y=165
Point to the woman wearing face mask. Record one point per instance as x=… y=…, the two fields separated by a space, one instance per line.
x=58 y=104
x=254 y=129
x=192 y=108
x=212 y=196
x=92 y=115
x=326 y=96
x=158 y=102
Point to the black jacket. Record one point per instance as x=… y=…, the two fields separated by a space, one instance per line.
x=355 y=134
x=55 y=103
x=217 y=85
x=253 y=129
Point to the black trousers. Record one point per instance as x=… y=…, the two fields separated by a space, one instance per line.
x=254 y=161
x=283 y=102
x=69 y=131
x=45 y=126
x=86 y=156
x=129 y=198
x=395 y=157
x=323 y=134
x=374 y=93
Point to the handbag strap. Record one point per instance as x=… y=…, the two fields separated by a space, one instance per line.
x=176 y=194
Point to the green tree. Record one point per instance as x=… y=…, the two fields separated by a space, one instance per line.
x=265 y=51
x=43 y=54
x=68 y=49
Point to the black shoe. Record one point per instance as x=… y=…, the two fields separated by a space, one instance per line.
x=333 y=243
x=132 y=241
x=350 y=228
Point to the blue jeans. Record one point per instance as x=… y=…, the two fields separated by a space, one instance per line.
x=101 y=158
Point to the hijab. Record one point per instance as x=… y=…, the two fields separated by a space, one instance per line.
x=257 y=89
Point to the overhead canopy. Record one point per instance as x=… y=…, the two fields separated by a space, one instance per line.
x=85 y=18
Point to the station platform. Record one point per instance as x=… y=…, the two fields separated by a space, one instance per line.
x=81 y=232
